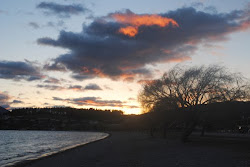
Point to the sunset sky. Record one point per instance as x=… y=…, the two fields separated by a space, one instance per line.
x=97 y=53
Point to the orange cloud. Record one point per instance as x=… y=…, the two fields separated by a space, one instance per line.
x=129 y=30
x=178 y=59
x=245 y=26
x=134 y=21
x=148 y=82
x=99 y=73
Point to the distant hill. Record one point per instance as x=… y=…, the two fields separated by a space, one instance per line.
x=3 y=110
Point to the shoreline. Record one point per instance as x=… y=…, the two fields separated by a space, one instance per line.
x=135 y=149
x=47 y=155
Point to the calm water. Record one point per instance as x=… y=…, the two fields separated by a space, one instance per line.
x=16 y=146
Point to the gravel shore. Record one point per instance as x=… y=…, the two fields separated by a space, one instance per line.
x=135 y=149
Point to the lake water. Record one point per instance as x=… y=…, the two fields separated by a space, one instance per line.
x=16 y=146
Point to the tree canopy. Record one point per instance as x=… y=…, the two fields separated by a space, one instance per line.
x=188 y=87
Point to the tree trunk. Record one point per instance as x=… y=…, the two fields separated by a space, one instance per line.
x=152 y=129
x=164 y=132
x=203 y=131
x=187 y=132
x=165 y=128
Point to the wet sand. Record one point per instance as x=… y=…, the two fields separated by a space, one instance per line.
x=135 y=149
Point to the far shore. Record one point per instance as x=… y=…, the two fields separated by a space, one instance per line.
x=137 y=149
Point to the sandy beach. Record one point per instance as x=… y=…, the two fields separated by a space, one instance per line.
x=136 y=149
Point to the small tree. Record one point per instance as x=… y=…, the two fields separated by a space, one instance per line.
x=189 y=88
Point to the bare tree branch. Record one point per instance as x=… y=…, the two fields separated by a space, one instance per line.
x=193 y=86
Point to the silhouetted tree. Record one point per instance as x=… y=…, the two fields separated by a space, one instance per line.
x=188 y=88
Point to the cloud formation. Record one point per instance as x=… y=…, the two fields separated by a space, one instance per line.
x=95 y=101
x=18 y=70
x=4 y=100
x=54 y=66
x=57 y=98
x=17 y=102
x=34 y=25
x=3 y=12
x=76 y=88
x=50 y=87
x=92 y=87
x=61 y=10
x=101 y=50
x=50 y=24
x=52 y=80
x=134 y=21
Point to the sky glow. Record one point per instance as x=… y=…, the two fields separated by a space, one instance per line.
x=86 y=53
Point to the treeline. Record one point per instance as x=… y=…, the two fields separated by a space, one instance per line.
x=60 y=118
x=83 y=114
x=224 y=116
x=220 y=117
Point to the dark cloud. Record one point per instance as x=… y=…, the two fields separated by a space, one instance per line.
x=17 y=102
x=95 y=101
x=18 y=70
x=54 y=66
x=101 y=51
x=81 y=77
x=50 y=24
x=4 y=100
x=52 y=80
x=92 y=87
x=34 y=25
x=4 y=97
x=61 y=10
x=55 y=24
x=76 y=87
x=57 y=98
x=50 y=87
x=211 y=9
x=87 y=87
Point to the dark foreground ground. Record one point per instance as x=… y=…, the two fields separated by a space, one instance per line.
x=130 y=149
